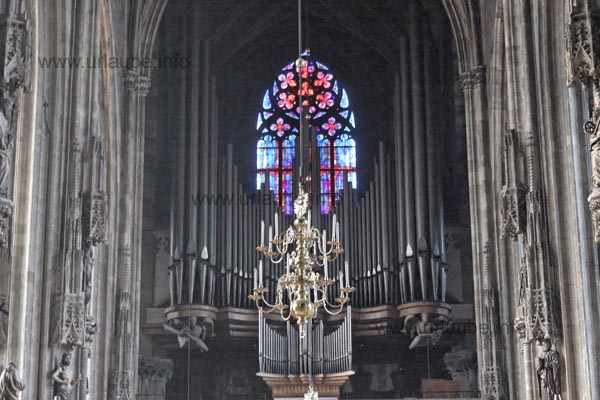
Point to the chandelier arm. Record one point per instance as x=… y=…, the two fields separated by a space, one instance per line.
x=272 y=306
x=289 y=316
x=277 y=258
x=337 y=308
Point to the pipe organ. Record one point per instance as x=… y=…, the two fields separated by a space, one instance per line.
x=284 y=353
x=391 y=261
x=393 y=228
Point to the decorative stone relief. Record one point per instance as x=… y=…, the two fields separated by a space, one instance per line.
x=153 y=375
x=492 y=384
x=541 y=314
x=95 y=217
x=583 y=47
x=17 y=60
x=72 y=326
x=583 y=60
x=5 y=221
x=91 y=328
x=121 y=385
x=512 y=195
x=137 y=83
x=155 y=369
x=473 y=78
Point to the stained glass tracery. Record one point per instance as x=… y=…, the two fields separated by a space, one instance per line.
x=332 y=119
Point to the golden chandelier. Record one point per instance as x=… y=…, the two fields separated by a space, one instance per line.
x=301 y=291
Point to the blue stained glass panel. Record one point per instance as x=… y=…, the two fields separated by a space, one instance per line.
x=260 y=179
x=325 y=182
x=274 y=181
x=288 y=204
x=287 y=157
x=339 y=181
x=259 y=121
x=352 y=178
x=276 y=150
x=324 y=157
x=267 y=101
x=322 y=141
x=325 y=67
x=325 y=204
x=344 y=103
x=287 y=182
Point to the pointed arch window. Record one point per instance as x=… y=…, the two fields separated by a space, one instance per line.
x=331 y=118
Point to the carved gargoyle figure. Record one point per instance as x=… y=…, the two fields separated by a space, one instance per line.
x=548 y=372
x=193 y=332
x=10 y=383
x=63 y=380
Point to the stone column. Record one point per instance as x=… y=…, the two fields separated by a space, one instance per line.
x=481 y=204
x=127 y=330
x=16 y=78
x=153 y=375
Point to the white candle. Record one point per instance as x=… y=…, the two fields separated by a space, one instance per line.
x=262 y=233
x=276 y=224
x=270 y=237
x=325 y=267
x=341 y=277
x=333 y=227
x=255 y=278
x=347 y=268
x=309 y=219
x=287 y=271
x=337 y=231
x=260 y=273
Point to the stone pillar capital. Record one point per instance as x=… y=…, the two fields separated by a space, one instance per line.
x=137 y=83
x=155 y=369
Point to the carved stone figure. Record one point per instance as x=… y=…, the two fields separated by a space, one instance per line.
x=548 y=372
x=194 y=332
x=10 y=383
x=6 y=143
x=88 y=267
x=523 y=282
x=63 y=380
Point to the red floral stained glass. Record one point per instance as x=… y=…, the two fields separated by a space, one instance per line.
x=328 y=106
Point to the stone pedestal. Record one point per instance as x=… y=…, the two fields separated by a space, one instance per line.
x=293 y=387
x=153 y=375
x=462 y=365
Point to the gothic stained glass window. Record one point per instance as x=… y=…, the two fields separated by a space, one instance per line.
x=331 y=119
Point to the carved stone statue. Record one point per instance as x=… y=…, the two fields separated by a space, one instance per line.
x=63 y=381
x=193 y=332
x=10 y=383
x=88 y=267
x=548 y=372
x=6 y=143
